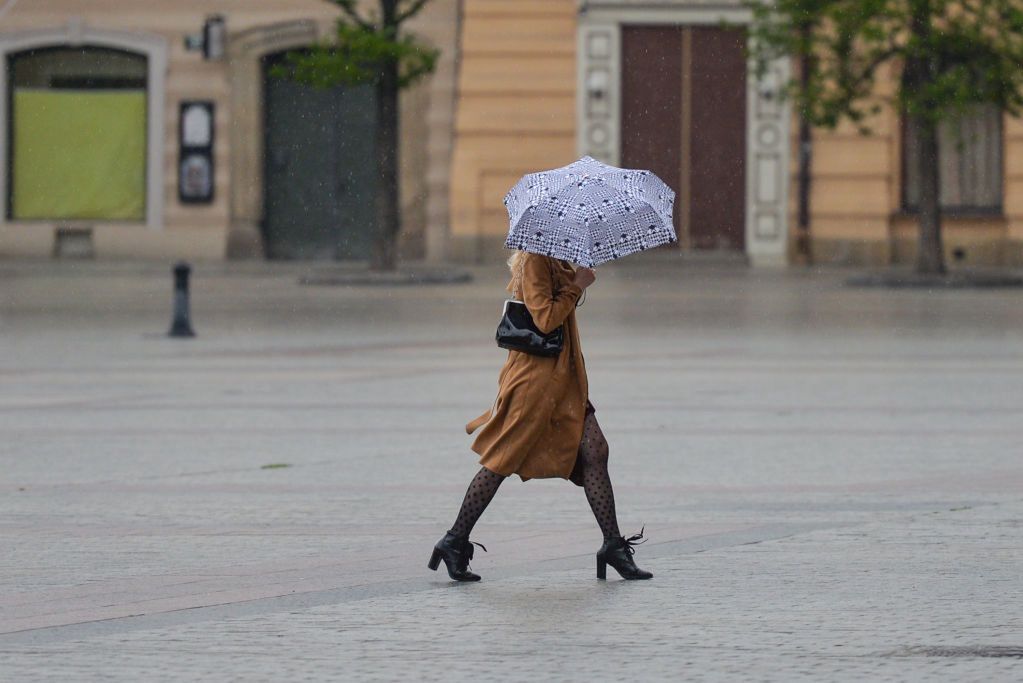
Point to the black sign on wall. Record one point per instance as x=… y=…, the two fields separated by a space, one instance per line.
x=195 y=152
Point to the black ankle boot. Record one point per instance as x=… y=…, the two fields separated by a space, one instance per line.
x=617 y=552
x=456 y=551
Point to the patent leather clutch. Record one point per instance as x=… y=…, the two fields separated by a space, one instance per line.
x=518 y=332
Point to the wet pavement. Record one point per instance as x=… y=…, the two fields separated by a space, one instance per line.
x=830 y=480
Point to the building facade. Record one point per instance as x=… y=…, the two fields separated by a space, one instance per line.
x=664 y=85
x=120 y=142
x=123 y=141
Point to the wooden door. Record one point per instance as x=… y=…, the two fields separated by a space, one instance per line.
x=684 y=118
x=652 y=105
x=319 y=170
x=717 y=139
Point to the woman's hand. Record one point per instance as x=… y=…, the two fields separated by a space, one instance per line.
x=584 y=277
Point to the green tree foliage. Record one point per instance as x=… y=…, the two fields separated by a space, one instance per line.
x=948 y=55
x=371 y=49
x=355 y=57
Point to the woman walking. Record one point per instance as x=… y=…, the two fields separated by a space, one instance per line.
x=542 y=424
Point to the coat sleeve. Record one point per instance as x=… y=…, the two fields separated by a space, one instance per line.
x=549 y=308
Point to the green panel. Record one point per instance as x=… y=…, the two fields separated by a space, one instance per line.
x=79 y=154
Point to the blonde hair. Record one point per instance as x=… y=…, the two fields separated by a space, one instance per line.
x=515 y=260
x=515 y=265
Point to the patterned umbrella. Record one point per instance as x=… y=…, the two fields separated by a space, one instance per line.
x=589 y=213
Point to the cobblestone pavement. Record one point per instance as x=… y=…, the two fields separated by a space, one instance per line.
x=856 y=603
x=830 y=480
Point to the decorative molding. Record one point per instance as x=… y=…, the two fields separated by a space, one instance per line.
x=597 y=99
x=691 y=12
x=77 y=32
x=442 y=24
x=767 y=154
x=263 y=40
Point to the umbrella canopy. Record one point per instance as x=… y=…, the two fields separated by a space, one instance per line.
x=589 y=213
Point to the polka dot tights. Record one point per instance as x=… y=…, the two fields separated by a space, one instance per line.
x=481 y=491
x=590 y=470
x=592 y=460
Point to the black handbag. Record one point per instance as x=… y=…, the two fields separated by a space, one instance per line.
x=518 y=332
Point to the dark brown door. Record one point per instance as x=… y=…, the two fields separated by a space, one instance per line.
x=652 y=104
x=717 y=151
x=684 y=118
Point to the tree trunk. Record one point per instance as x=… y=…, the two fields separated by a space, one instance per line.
x=930 y=252
x=388 y=199
x=803 y=243
x=920 y=72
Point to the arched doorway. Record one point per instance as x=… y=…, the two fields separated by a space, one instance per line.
x=318 y=169
x=77 y=134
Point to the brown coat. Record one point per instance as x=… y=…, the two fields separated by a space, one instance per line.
x=536 y=423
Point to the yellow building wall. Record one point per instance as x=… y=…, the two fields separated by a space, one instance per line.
x=856 y=199
x=853 y=188
x=516 y=114
x=1013 y=197
x=516 y=111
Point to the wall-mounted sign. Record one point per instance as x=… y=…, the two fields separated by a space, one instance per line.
x=196 y=125
x=195 y=155
x=196 y=177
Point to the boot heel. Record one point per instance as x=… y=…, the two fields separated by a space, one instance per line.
x=601 y=568
x=434 y=560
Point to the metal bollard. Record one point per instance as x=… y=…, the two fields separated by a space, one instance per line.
x=181 y=325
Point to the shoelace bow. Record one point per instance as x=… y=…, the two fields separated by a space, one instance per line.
x=634 y=540
x=469 y=544
x=469 y=550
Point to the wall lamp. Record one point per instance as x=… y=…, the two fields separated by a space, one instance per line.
x=212 y=40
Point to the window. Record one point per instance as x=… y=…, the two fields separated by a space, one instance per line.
x=78 y=134
x=970 y=156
